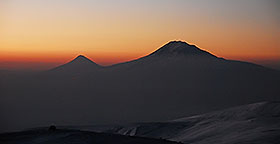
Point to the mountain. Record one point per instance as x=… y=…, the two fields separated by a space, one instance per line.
x=80 y=64
x=64 y=136
x=252 y=123
x=176 y=80
x=173 y=50
x=177 y=48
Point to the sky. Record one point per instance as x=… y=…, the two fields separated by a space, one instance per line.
x=41 y=34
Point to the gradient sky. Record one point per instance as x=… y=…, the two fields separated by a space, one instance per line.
x=40 y=34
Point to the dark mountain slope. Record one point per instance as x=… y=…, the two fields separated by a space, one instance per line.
x=182 y=71
x=177 y=80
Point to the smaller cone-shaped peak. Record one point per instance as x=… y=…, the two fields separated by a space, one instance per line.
x=79 y=64
x=81 y=58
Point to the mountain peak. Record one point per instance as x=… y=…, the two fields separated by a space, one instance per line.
x=179 y=48
x=79 y=56
x=178 y=42
x=82 y=57
x=79 y=64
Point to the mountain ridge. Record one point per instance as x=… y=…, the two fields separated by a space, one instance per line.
x=155 y=88
x=172 y=49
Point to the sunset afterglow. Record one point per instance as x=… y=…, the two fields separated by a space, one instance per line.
x=40 y=34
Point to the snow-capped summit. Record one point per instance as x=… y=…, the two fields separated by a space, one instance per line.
x=180 y=48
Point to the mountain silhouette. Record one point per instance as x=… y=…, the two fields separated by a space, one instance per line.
x=82 y=59
x=176 y=80
x=80 y=64
x=178 y=48
x=173 y=53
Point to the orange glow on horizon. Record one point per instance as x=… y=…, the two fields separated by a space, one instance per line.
x=43 y=34
x=45 y=61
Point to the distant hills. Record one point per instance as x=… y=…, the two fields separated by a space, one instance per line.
x=177 y=80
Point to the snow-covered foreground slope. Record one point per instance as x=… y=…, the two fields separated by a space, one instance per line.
x=73 y=137
x=253 y=123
